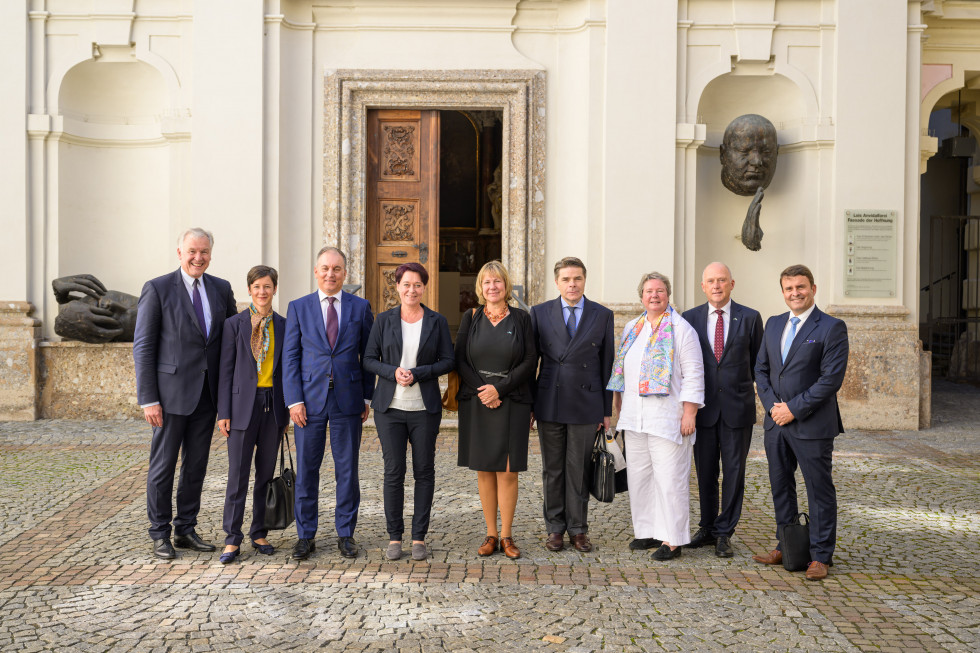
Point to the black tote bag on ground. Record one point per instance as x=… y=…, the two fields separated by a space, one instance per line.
x=602 y=484
x=795 y=543
x=281 y=492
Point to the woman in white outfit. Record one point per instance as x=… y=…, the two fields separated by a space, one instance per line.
x=658 y=378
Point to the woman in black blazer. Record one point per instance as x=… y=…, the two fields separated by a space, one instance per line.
x=251 y=409
x=409 y=349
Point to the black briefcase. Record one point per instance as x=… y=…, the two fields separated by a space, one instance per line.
x=795 y=543
x=621 y=484
x=281 y=491
x=602 y=484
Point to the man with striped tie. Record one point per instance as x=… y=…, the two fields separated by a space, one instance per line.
x=800 y=368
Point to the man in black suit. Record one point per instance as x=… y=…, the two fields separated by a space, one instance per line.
x=800 y=368
x=176 y=348
x=730 y=335
x=575 y=339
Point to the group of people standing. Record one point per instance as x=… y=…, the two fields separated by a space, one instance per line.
x=682 y=386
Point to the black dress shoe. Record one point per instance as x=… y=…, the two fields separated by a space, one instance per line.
x=644 y=543
x=667 y=553
x=347 y=546
x=163 y=549
x=701 y=537
x=723 y=547
x=304 y=547
x=192 y=541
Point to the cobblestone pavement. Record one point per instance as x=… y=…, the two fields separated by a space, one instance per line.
x=76 y=571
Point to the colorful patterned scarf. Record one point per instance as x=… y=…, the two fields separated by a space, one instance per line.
x=658 y=357
x=260 y=335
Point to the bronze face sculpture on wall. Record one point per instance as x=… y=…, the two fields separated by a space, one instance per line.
x=748 y=162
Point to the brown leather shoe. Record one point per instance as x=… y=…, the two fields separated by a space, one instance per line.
x=489 y=546
x=509 y=548
x=816 y=571
x=581 y=542
x=775 y=557
x=556 y=542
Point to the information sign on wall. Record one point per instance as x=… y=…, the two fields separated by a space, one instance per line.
x=871 y=253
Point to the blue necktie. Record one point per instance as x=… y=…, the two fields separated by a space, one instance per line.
x=793 y=321
x=572 y=323
x=199 y=308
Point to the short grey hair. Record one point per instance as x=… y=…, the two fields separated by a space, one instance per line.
x=195 y=232
x=650 y=276
x=331 y=248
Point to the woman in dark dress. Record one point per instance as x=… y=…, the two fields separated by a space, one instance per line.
x=496 y=359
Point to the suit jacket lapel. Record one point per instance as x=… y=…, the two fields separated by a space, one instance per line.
x=428 y=327
x=278 y=333
x=734 y=324
x=701 y=327
x=346 y=306
x=185 y=300
x=803 y=332
x=557 y=315
x=776 y=334
x=212 y=293
x=585 y=320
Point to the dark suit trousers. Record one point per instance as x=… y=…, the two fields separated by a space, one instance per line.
x=345 y=445
x=731 y=447
x=396 y=428
x=190 y=437
x=815 y=460
x=262 y=436
x=566 y=450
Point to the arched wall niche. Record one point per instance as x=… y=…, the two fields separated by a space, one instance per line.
x=790 y=201
x=113 y=174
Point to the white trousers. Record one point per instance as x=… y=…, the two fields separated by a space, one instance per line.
x=658 y=474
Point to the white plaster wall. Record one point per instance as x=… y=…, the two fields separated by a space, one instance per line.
x=17 y=243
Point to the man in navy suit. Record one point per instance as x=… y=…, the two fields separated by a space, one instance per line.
x=800 y=368
x=176 y=349
x=326 y=334
x=575 y=339
x=730 y=335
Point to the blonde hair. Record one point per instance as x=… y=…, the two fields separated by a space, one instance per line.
x=650 y=276
x=497 y=269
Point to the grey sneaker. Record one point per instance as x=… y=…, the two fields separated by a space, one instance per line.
x=419 y=552
x=394 y=551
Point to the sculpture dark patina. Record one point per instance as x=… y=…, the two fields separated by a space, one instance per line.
x=90 y=313
x=748 y=162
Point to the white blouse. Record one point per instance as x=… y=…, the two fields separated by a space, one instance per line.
x=409 y=398
x=661 y=416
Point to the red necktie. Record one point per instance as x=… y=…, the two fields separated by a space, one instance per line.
x=719 y=335
x=331 y=322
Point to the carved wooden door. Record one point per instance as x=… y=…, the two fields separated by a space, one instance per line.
x=402 y=201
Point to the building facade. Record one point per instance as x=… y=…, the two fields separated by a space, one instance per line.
x=454 y=131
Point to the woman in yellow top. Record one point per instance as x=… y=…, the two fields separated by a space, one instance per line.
x=251 y=409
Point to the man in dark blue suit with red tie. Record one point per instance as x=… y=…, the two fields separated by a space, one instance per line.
x=177 y=349
x=326 y=335
x=730 y=336
x=800 y=368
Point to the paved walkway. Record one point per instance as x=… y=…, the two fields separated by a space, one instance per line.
x=76 y=571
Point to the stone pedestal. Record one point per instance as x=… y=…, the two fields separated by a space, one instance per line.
x=19 y=334
x=882 y=389
x=85 y=381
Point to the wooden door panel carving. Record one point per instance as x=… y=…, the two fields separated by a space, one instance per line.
x=402 y=201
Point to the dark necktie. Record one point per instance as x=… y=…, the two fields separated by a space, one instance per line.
x=719 y=335
x=572 y=322
x=331 y=322
x=789 y=336
x=199 y=308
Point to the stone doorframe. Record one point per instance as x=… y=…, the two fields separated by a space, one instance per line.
x=519 y=94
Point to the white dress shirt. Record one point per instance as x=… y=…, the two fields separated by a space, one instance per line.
x=324 y=304
x=726 y=315
x=661 y=416
x=189 y=285
x=803 y=317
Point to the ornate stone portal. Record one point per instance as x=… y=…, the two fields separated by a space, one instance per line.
x=518 y=94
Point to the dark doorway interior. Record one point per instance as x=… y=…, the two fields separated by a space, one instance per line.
x=470 y=191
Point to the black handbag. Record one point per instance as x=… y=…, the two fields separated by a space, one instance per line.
x=602 y=484
x=621 y=485
x=281 y=491
x=795 y=543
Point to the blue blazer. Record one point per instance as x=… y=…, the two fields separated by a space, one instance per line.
x=169 y=349
x=572 y=379
x=309 y=362
x=384 y=354
x=809 y=379
x=728 y=392
x=238 y=378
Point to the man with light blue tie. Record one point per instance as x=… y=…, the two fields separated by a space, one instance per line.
x=799 y=371
x=324 y=385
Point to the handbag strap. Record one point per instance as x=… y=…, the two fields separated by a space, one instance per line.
x=283 y=450
x=802 y=518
